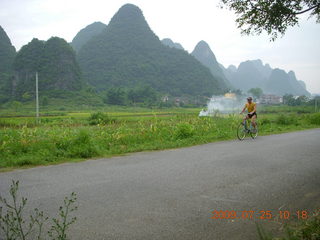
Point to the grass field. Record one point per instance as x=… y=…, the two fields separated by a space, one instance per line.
x=72 y=136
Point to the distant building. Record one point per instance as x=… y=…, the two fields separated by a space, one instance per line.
x=165 y=99
x=230 y=95
x=270 y=99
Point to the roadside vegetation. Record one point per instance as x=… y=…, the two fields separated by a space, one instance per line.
x=15 y=225
x=308 y=229
x=63 y=136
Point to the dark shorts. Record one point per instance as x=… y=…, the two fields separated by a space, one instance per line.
x=251 y=115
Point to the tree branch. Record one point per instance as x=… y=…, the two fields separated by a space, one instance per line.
x=297 y=13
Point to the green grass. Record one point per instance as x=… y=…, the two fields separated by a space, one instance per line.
x=308 y=229
x=82 y=135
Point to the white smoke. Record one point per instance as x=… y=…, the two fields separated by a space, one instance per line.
x=223 y=104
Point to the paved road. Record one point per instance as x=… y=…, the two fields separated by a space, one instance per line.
x=171 y=194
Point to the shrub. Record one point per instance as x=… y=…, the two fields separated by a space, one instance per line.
x=100 y=118
x=264 y=121
x=184 y=130
x=286 y=120
x=315 y=118
x=82 y=146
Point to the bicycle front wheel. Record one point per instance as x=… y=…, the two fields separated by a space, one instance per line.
x=241 y=132
x=254 y=131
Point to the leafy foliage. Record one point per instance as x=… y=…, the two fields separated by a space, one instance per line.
x=116 y=96
x=256 y=92
x=273 y=16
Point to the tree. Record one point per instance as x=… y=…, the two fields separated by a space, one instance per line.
x=272 y=16
x=45 y=101
x=256 y=92
x=16 y=105
x=115 y=96
x=289 y=100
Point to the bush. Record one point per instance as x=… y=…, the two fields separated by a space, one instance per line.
x=82 y=146
x=286 y=120
x=100 y=118
x=315 y=118
x=184 y=130
x=264 y=121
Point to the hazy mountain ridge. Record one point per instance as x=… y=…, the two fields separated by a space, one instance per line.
x=128 y=53
x=253 y=74
x=168 y=42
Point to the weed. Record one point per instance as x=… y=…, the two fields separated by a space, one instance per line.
x=14 y=225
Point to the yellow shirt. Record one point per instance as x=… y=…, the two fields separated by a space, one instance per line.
x=250 y=107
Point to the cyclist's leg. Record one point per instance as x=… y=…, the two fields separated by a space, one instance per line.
x=246 y=117
x=253 y=120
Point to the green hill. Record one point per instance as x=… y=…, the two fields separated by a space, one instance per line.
x=86 y=34
x=204 y=54
x=7 y=54
x=55 y=62
x=129 y=54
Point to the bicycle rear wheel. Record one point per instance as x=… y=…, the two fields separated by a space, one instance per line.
x=241 y=132
x=254 y=131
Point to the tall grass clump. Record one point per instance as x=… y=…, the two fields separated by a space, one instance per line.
x=83 y=146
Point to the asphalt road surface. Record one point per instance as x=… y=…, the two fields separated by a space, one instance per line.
x=172 y=194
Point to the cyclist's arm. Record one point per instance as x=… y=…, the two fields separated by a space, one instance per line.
x=245 y=106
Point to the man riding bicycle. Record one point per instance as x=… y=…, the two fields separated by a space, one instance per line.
x=252 y=111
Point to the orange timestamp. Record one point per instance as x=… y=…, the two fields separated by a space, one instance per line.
x=263 y=214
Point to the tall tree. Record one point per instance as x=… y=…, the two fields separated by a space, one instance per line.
x=256 y=92
x=272 y=16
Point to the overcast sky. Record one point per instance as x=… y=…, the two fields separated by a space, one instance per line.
x=186 y=22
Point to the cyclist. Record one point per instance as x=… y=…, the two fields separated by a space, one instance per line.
x=252 y=111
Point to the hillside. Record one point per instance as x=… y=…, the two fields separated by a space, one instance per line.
x=204 y=55
x=7 y=54
x=55 y=62
x=86 y=34
x=128 y=54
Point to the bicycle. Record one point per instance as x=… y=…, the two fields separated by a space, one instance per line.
x=243 y=130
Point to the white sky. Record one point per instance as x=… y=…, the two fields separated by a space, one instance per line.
x=186 y=22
